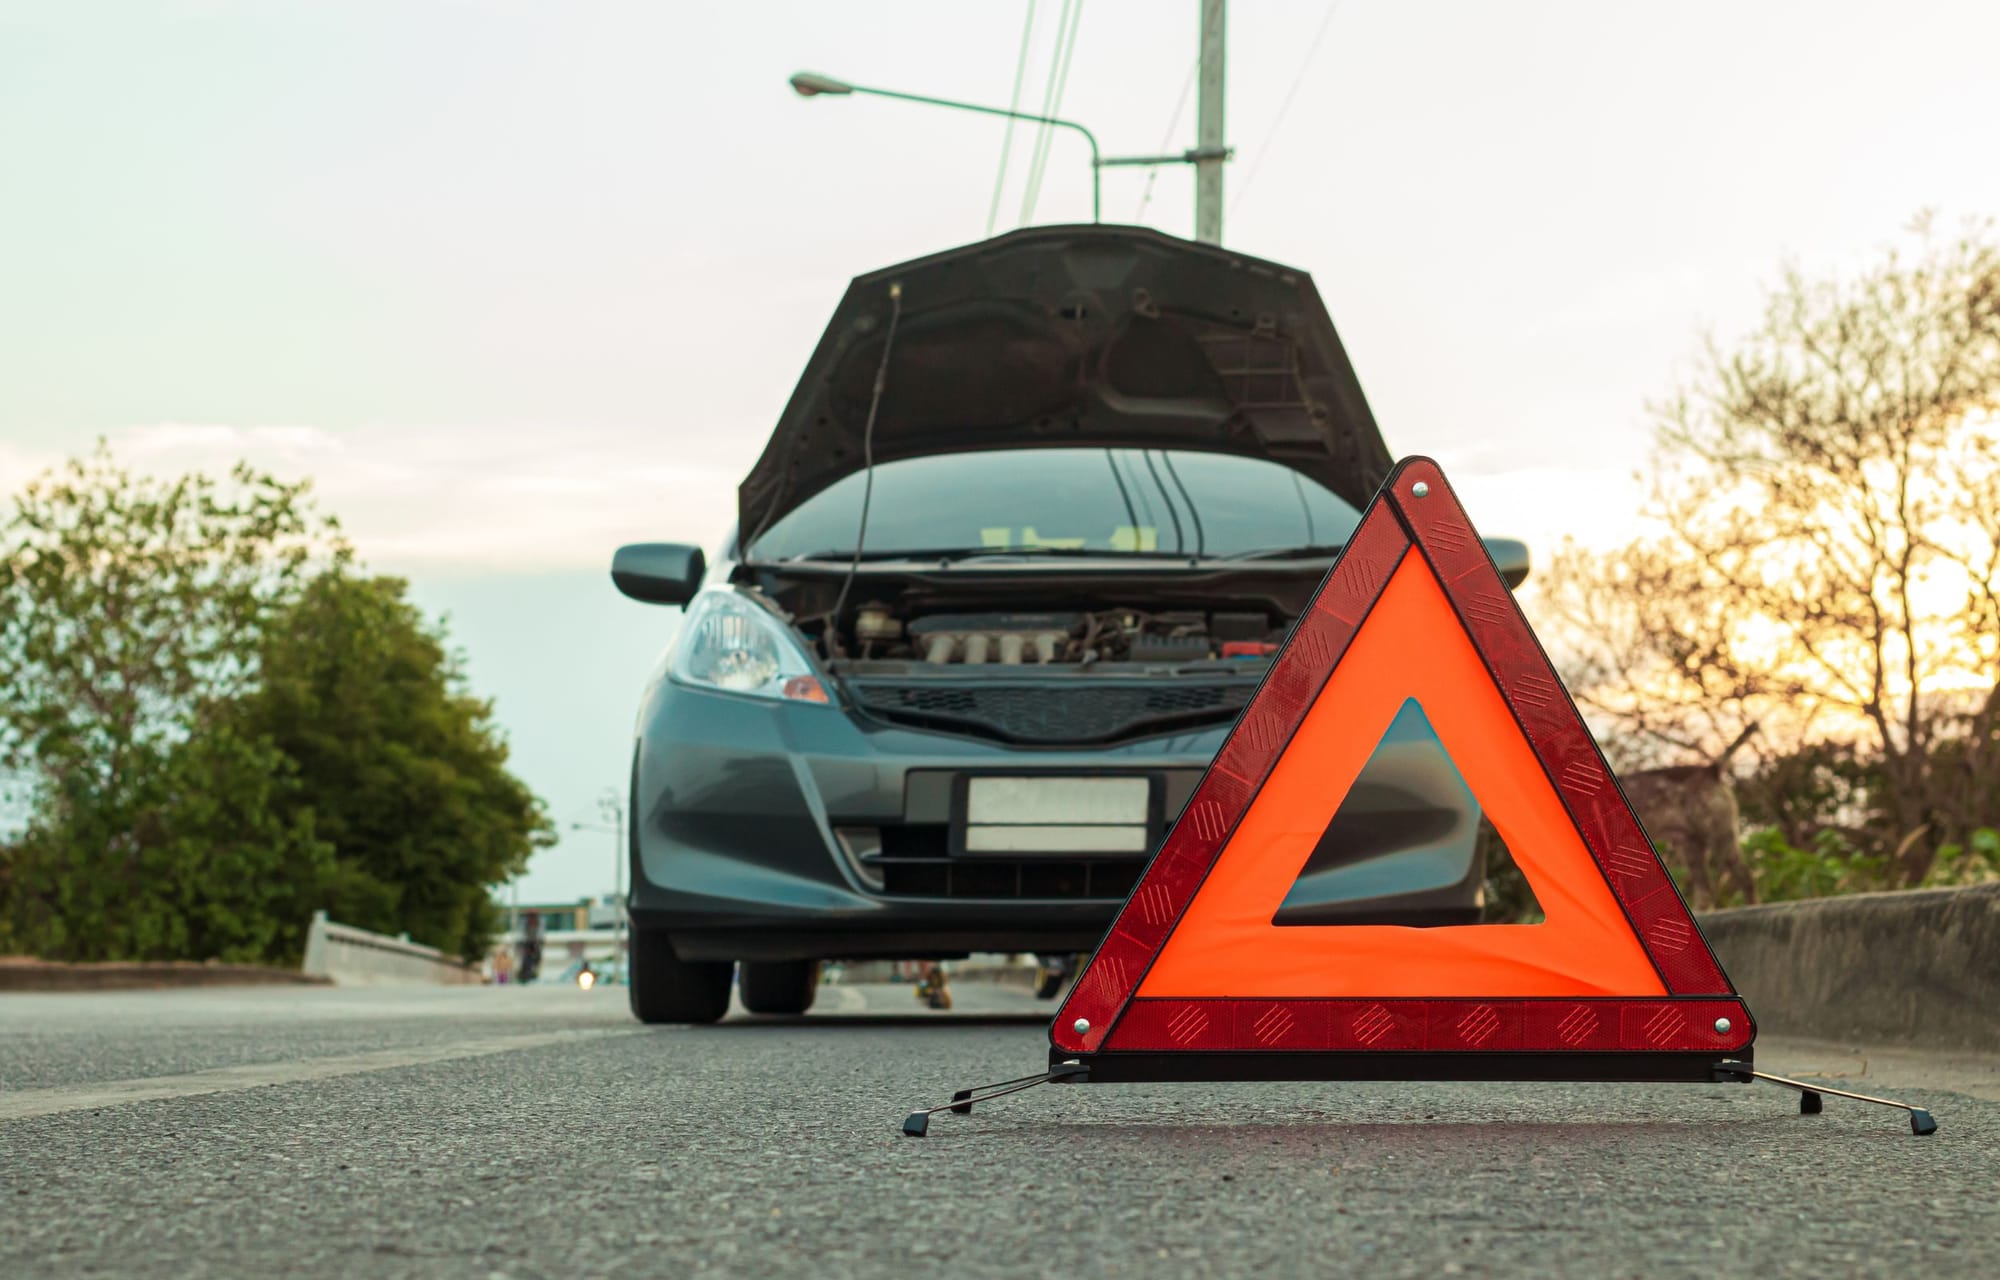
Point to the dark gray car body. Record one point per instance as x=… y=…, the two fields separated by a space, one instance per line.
x=781 y=830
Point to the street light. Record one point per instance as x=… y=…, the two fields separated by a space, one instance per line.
x=811 y=84
x=611 y=805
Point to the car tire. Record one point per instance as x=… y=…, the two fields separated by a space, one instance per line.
x=778 y=986
x=666 y=988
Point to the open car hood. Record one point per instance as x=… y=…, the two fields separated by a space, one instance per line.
x=1093 y=336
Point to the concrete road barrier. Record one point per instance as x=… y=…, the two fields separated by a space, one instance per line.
x=1021 y=972
x=1920 y=967
x=355 y=957
x=978 y=967
x=24 y=973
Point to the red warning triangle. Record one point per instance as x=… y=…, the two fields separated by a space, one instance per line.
x=1194 y=979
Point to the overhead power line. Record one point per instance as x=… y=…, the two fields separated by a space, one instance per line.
x=1167 y=138
x=1013 y=104
x=1052 y=104
x=1048 y=97
x=1304 y=66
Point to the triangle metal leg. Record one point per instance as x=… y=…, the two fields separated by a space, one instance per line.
x=1811 y=1102
x=918 y=1123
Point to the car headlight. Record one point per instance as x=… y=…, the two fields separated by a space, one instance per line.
x=733 y=643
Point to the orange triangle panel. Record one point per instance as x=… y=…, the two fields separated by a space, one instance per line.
x=1412 y=609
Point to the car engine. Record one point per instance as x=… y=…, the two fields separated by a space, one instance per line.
x=1080 y=639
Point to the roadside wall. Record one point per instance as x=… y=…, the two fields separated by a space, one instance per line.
x=978 y=967
x=24 y=973
x=356 y=957
x=1918 y=967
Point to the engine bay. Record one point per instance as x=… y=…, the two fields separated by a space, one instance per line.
x=1075 y=639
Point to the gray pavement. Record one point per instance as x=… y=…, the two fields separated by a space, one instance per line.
x=496 y=1132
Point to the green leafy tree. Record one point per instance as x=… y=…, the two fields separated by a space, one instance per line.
x=131 y=615
x=404 y=773
x=221 y=729
x=189 y=857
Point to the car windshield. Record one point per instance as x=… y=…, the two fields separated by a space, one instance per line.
x=1079 y=501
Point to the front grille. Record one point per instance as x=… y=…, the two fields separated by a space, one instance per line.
x=1062 y=711
x=915 y=862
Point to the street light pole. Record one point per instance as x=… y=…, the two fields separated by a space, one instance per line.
x=1207 y=157
x=808 y=84
x=1208 y=127
x=612 y=806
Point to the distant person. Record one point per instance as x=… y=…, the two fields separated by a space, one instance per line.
x=503 y=965
x=934 y=991
x=530 y=966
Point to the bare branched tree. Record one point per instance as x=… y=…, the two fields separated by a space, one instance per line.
x=1826 y=561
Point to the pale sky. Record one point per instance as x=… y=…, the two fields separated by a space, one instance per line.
x=519 y=281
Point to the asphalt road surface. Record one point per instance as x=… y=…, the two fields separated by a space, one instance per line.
x=539 y=1132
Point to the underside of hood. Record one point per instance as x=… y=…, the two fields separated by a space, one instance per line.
x=1087 y=336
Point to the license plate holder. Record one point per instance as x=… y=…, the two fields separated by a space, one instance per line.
x=1055 y=815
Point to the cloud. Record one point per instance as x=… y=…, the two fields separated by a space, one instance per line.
x=477 y=497
x=536 y=498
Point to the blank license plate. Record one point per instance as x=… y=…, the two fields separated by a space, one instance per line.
x=1058 y=815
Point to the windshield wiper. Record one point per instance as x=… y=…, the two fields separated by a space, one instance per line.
x=1309 y=551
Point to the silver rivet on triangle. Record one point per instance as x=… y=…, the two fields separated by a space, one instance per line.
x=1420 y=489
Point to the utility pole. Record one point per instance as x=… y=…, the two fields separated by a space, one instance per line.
x=1208 y=127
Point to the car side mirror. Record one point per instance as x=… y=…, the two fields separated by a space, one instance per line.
x=1510 y=557
x=658 y=572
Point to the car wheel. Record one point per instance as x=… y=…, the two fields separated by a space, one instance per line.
x=666 y=988
x=778 y=986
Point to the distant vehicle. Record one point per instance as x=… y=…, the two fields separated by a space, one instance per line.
x=604 y=971
x=1014 y=558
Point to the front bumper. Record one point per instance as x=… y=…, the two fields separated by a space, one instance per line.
x=740 y=804
x=751 y=817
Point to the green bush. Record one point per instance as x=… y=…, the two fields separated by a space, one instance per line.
x=1828 y=866
x=1977 y=861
